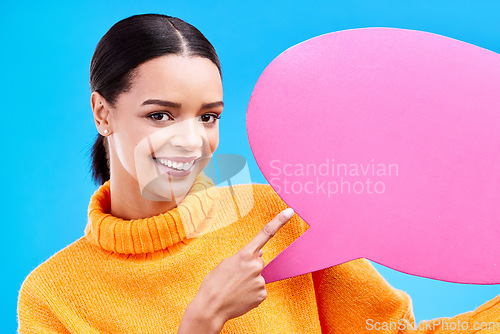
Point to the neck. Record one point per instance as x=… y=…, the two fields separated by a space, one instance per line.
x=188 y=220
x=127 y=201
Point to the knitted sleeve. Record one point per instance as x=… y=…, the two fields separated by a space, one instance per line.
x=484 y=320
x=353 y=295
x=354 y=298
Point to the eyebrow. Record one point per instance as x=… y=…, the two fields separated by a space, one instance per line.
x=175 y=105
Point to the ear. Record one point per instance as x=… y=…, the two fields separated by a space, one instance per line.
x=102 y=114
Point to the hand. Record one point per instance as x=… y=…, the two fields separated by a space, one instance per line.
x=235 y=285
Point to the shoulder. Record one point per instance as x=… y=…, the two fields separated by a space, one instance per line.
x=269 y=204
x=49 y=286
x=248 y=207
x=258 y=191
x=258 y=199
x=261 y=197
x=58 y=269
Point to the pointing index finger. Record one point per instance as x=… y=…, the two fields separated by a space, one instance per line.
x=270 y=229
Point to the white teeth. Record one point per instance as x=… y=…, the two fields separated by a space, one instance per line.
x=176 y=165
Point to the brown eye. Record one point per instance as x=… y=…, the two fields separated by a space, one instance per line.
x=209 y=118
x=160 y=116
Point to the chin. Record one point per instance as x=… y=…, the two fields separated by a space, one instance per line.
x=165 y=188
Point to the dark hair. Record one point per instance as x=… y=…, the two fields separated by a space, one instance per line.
x=129 y=43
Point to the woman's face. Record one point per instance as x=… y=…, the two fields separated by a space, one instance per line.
x=165 y=128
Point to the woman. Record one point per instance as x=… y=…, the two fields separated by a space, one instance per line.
x=164 y=250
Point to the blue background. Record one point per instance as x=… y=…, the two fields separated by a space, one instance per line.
x=47 y=125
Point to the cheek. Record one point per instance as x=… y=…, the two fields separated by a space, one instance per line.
x=125 y=151
x=213 y=140
x=130 y=149
x=146 y=169
x=158 y=140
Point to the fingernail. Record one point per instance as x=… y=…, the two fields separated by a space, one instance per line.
x=288 y=213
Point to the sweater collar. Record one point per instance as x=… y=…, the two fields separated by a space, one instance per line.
x=146 y=235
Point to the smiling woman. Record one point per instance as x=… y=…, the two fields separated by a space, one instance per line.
x=166 y=251
x=161 y=133
x=175 y=78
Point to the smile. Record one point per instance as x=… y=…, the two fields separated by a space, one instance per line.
x=176 y=165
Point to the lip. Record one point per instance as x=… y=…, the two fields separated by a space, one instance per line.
x=180 y=159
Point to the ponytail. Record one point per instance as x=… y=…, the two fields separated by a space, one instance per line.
x=100 y=161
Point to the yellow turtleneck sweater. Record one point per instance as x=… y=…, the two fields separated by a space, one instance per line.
x=138 y=276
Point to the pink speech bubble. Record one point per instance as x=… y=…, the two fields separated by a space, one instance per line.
x=387 y=143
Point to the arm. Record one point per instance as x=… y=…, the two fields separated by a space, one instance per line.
x=354 y=297
x=234 y=286
x=199 y=319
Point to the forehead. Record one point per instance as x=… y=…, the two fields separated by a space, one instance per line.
x=177 y=77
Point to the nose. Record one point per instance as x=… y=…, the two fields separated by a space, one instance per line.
x=189 y=135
